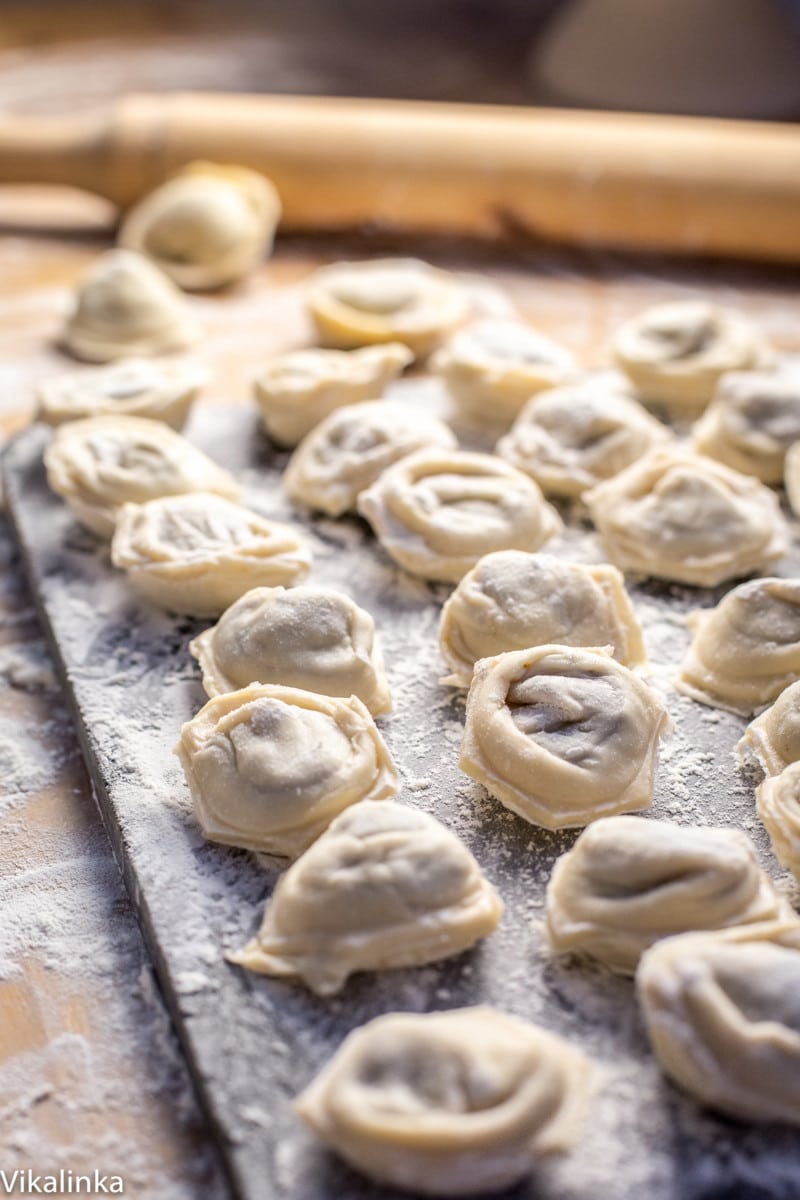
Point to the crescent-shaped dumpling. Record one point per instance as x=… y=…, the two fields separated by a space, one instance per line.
x=774 y=737
x=752 y=421
x=134 y=387
x=778 y=802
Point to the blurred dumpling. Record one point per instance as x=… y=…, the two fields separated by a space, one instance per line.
x=791 y=477
x=774 y=737
x=778 y=802
x=752 y=421
x=134 y=387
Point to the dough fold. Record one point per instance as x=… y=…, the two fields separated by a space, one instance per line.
x=752 y=421
x=133 y=387
x=774 y=737
x=778 y=802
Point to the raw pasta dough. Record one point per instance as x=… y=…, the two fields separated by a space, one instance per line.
x=512 y=601
x=792 y=477
x=562 y=736
x=774 y=737
x=300 y=389
x=269 y=767
x=385 y=886
x=752 y=421
x=437 y=512
x=349 y=450
x=629 y=881
x=134 y=387
x=449 y=1103
x=305 y=637
x=747 y=649
x=686 y=518
x=778 y=801
x=198 y=553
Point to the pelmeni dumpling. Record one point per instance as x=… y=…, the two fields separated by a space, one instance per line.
x=198 y=553
x=99 y=464
x=686 y=518
x=722 y=1011
x=269 y=767
x=125 y=306
x=675 y=353
x=207 y=226
x=774 y=737
x=437 y=512
x=304 y=637
x=791 y=477
x=453 y=1103
x=353 y=446
x=298 y=390
x=384 y=886
x=629 y=881
x=134 y=387
x=570 y=438
x=778 y=802
x=562 y=735
x=512 y=601
x=386 y=300
x=747 y=649
x=493 y=366
x=752 y=421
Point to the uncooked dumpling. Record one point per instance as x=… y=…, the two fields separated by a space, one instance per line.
x=629 y=881
x=126 y=306
x=792 y=477
x=385 y=886
x=437 y=512
x=99 y=464
x=570 y=438
x=304 y=637
x=752 y=421
x=562 y=736
x=349 y=450
x=449 y=1103
x=493 y=366
x=722 y=1011
x=686 y=518
x=774 y=737
x=207 y=226
x=269 y=767
x=675 y=353
x=298 y=390
x=198 y=553
x=778 y=802
x=747 y=649
x=134 y=387
x=386 y=300
x=512 y=601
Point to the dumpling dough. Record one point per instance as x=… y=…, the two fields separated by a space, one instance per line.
x=747 y=649
x=300 y=389
x=269 y=767
x=134 y=387
x=562 y=736
x=99 y=464
x=493 y=366
x=774 y=737
x=778 y=801
x=686 y=518
x=386 y=300
x=675 y=353
x=126 y=306
x=449 y=1103
x=752 y=421
x=353 y=446
x=207 y=226
x=792 y=477
x=437 y=512
x=629 y=881
x=512 y=601
x=198 y=553
x=722 y=1011
x=307 y=637
x=570 y=438
x=385 y=886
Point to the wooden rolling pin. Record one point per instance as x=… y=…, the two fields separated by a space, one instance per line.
x=679 y=185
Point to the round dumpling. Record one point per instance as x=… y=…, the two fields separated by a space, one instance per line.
x=453 y=1103
x=493 y=366
x=386 y=300
x=99 y=464
x=134 y=387
x=686 y=518
x=774 y=737
x=269 y=767
x=675 y=353
x=629 y=881
x=747 y=649
x=304 y=637
x=126 y=306
x=752 y=421
x=437 y=512
x=207 y=226
x=722 y=1011
x=562 y=736
x=792 y=477
x=570 y=438
x=778 y=800
x=384 y=886
x=198 y=553
x=512 y=601
x=353 y=446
